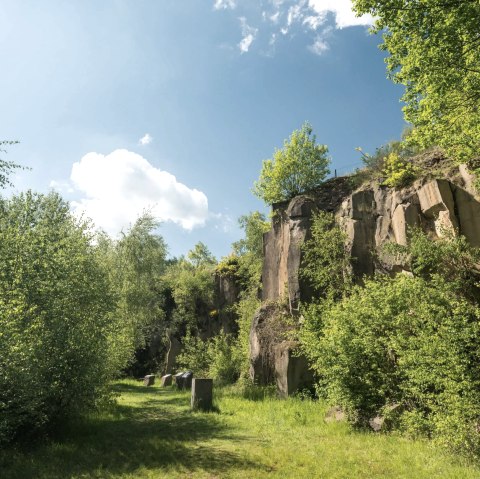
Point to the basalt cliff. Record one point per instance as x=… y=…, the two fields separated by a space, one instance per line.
x=371 y=216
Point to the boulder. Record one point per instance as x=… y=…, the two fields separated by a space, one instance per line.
x=202 y=394
x=335 y=413
x=149 y=380
x=376 y=423
x=166 y=380
x=291 y=369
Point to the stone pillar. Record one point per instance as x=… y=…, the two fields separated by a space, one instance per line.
x=202 y=394
x=187 y=380
x=166 y=380
x=178 y=380
x=149 y=380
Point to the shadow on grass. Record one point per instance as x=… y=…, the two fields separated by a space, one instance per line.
x=158 y=433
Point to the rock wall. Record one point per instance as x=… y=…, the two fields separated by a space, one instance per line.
x=371 y=217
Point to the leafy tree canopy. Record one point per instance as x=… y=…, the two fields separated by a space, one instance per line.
x=434 y=51
x=7 y=167
x=200 y=255
x=301 y=165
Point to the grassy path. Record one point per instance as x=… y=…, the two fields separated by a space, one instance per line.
x=152 y=434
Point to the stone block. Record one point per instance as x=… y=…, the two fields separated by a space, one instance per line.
x=178 y=380
x=166 y=380
x=202 y=394
x=149 y=380
x=187 y=380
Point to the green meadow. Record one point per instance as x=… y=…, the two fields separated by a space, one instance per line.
x=152 y=433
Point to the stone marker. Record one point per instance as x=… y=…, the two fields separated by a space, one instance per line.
x=202 y=394
x=166 y=380
x=187 y=380
x=178 y=380
x=149 y=380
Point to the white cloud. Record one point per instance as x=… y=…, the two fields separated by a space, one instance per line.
x=319 y=46
x=146 y=139
x=224 y=4
x=342 y=9
x=118 y=187
x=248 y=35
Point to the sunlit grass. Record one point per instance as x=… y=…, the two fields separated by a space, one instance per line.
x=151 y=433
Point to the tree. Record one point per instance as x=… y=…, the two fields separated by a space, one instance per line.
x=200 y=255
x=7 y=167
x=135 y=264
x=301 y=165
x=434 y=51
x=56 y=311
x=255 y=225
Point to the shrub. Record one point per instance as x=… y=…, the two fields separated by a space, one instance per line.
x=225 y=358
x=55 y=323
x=410 y=342
x=326 y=262
x=399 y=172
x=194 y=356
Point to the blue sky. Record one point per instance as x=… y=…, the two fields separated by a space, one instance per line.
x=173 y=104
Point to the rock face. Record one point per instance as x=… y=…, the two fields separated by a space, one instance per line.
x=274 y=359
x=290 y=228
x=371 y=217
x=291 y=369
x=227 y=291
x=175 y=348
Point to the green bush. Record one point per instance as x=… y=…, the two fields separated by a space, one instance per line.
x=194 y=356
x=399 y=172
x=409 y=342
x=218 y=357
x=55 y=316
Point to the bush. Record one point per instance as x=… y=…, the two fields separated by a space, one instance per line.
x=55 y=323
x=410 y=342
x=399 y=171
x=194 y=356
x=217 y=357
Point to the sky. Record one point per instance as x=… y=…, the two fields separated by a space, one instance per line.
x=170 y=106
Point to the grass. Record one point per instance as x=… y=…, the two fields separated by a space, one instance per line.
x=151 y=433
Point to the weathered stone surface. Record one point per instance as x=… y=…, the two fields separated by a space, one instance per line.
x=174 y=350
x=227 y=291
x=468 y=210
x=149 y=380
x=178 y=379
x=404 y=217
x=166 y=380
x=437 y=204
x=261 y=365
x=202 y=394
x=291 y=369
x=187 y=380
x=335 y=413
x=370 y=217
